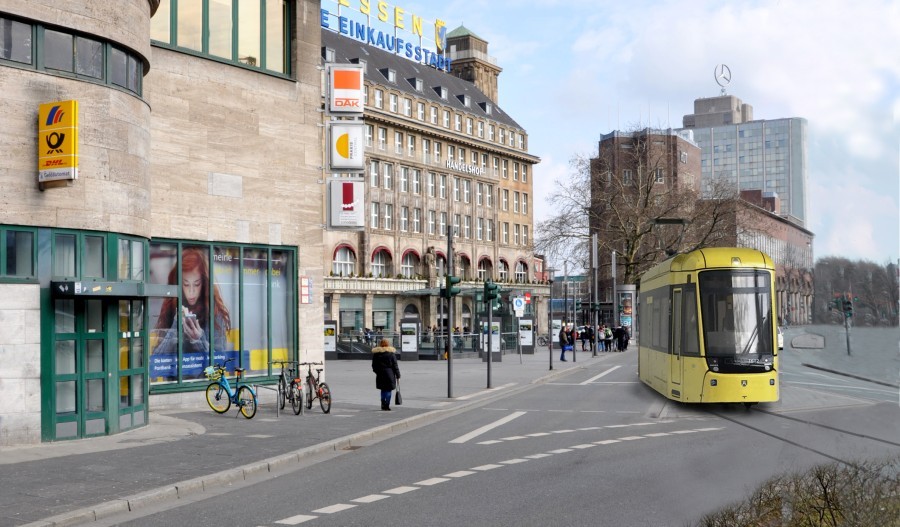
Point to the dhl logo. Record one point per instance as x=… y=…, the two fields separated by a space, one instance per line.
x=53 y=163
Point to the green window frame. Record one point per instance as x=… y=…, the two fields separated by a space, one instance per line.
x=253 y=34
x=18 y=254
x=243 y=299
x=90 y=58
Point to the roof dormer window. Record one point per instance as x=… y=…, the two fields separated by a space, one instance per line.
x=361 y=62
x=441 y=91
x=416 y=83
x=464 y=99
x=487 y=107
x=329 y=55
x=389 y=74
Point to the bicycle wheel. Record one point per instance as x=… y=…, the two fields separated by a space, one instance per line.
x=296 y=398
x=310 y=393
x=325 y=397
x=247 y=401
x=217 y=397
x=282 y=393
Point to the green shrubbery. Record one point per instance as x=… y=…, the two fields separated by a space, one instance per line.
x=866 y=494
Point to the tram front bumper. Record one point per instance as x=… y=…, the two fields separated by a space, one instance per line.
x=740 y=387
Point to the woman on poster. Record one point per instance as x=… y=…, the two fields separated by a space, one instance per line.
x=194 y=307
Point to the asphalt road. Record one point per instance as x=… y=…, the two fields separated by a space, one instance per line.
x=596 y=447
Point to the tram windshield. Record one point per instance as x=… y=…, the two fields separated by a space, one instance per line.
x=737 y=313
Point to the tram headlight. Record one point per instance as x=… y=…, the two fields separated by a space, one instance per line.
x=713 y=382
x=713 y=363
x=771 y=382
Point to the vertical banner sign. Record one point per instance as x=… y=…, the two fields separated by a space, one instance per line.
x=348 y=207
x=346 y=90
x=58 y=141
x=346 y=140
x=330 y=343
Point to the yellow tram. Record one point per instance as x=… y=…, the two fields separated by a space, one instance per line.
x=707 y=332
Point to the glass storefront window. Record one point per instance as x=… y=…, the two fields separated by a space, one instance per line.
x=94 y=261
x=283 y=300
x=19 y=252
x=94 y=394
x=94 y=358
x=255 y=329
x=64 y=317
x=64 y=255
x=65 y=357
x=65 y=397
x=94 y=310
x=227 y=305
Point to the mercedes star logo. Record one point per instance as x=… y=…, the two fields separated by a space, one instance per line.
x=723 y=75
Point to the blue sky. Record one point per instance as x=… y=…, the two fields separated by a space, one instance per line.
x=574 y=70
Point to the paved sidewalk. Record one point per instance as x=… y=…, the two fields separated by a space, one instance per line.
x=187 y=451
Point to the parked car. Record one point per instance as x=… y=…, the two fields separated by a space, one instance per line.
x=780 y=338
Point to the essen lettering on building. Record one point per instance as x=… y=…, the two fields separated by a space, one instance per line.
x=396 y=18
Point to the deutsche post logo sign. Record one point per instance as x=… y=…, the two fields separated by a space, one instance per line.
x=58 y=141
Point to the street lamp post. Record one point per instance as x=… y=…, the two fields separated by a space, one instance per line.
x=550 y=270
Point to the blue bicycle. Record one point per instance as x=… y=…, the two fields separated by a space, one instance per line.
x=220 y=396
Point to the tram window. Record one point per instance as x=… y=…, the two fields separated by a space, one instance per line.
x=691 y=344
x=736 y=312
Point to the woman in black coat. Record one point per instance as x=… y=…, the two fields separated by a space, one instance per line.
x=387 y=371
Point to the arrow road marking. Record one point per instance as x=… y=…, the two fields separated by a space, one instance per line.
x=595 y=377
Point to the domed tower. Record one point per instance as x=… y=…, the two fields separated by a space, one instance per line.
x=471 y=61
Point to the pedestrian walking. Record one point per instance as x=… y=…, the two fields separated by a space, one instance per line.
x=387 y=371
x=564 y=343
x=584 y=336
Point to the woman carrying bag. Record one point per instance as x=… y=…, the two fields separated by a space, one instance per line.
x=387 y=371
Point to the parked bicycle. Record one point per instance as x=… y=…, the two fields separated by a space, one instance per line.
x=290 y=386
x=219 y=394
x=543 y=340
x=315 y=388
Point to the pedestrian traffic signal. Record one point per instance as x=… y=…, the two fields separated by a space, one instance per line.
x=848 y=308
x=450 y=291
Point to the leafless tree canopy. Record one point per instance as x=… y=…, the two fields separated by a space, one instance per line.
x=873 y=288
x=623 y=206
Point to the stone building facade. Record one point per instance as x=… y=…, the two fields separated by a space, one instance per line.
x=189 y=150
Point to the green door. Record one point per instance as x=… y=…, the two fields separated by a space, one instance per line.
x=131 y=390
x=80 y=368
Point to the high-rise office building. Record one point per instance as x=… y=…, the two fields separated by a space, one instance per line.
x=765 y=155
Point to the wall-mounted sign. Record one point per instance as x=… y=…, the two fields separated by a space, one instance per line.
x=58 y=141
x=346 y=90
x=357 y=23
x=346 y=141
x=348 y=206
x=468 y=169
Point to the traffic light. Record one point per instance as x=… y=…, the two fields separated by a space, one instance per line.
x=449 y=290
x=491 y=291
x=848 y=308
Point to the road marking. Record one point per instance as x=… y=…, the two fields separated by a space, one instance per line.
x=486 y=428
x=371 y=498
x=476 y=394
x=259 y=436
x=586 y=445
x=537 y=456
x=539 y=434
x=658 y=434
x=431 y=481
x=459 y=474
x=560 y=451
x=562 y=431
x=595 y=377
x=296 y=520
x=490 y=442
x=487 y=467
x=630 y=438
x=331 y=509
x=585 y=429
x=400 y=490
x=512 y=438
x=513 y=461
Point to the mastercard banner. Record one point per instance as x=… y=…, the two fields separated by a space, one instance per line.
x=346 y=141
x=346 y=91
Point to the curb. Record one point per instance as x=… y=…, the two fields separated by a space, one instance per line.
x=845 y=374
x=275 y=464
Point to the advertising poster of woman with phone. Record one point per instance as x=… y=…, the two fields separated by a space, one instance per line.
x=195 y=317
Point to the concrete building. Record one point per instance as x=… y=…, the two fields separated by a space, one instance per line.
x=765 y=155
x=440 y=153
x=194 y=223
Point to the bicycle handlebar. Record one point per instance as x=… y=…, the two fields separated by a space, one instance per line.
x=311 y=363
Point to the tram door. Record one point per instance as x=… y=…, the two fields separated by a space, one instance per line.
x=675 y=362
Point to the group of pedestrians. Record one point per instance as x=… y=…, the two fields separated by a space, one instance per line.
x=607 y=338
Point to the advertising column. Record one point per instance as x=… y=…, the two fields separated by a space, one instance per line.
x=409 y=339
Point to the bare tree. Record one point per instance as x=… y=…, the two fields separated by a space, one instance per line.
x=621 y=195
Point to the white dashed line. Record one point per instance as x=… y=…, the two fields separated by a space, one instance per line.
x=513 y=461
x=331 y=509
x=595 y=377
x=563 y=431
x=537 y=456
x=539 y=434
x=586 y=445
x=560 y=451
x=683 y=431
x=490 y=442
x=459 y=474
x=606 y=442
x=400 y=490
x=371 y=498
x=430 y=482
x=658 y=434
x=589 y=428
x=512 y=438
x=296 y=520
x=483 y=468
x=630 y=438
x=486 y=428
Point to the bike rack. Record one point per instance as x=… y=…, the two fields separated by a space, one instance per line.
x=275 y=389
